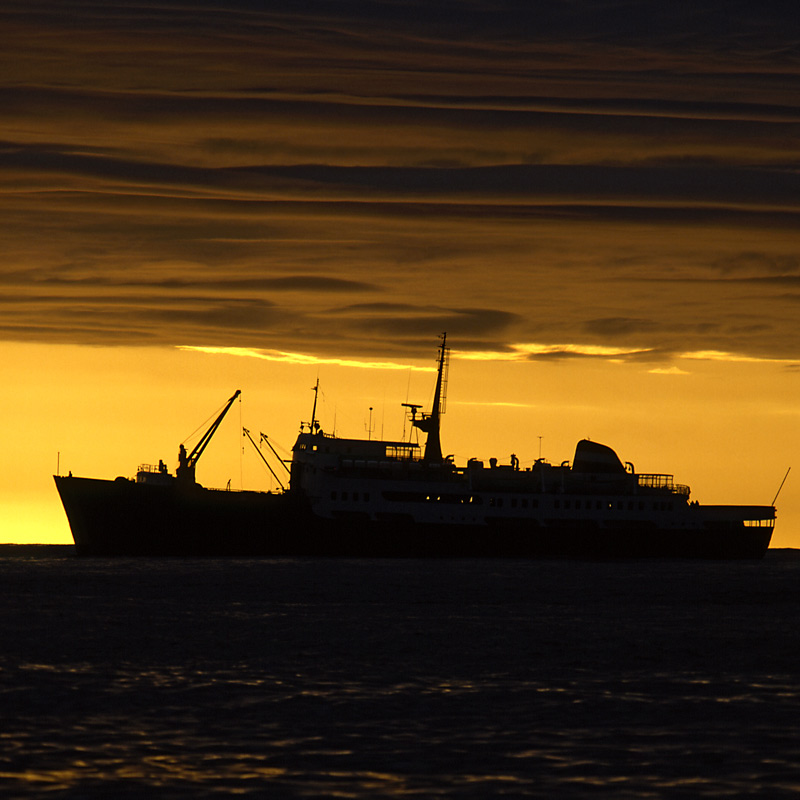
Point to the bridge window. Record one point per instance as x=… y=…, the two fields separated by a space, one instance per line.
x=401 y=452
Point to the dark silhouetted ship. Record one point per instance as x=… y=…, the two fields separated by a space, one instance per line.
x=376 y=498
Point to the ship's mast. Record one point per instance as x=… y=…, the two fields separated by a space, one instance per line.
x=430 y=423
x=315 y=389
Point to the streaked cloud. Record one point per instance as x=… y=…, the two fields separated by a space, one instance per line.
x=715 y=355
x=302 y=358
x=347 y=181
x=522 y=352
x=673 y=370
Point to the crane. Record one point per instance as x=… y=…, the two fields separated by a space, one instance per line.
x=187 y=463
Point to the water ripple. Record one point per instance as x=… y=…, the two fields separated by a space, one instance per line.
x=453 y=679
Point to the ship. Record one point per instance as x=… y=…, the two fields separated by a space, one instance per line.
x=373 y=498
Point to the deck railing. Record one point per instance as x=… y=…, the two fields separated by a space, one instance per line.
x=661 y=481
x=149 y=468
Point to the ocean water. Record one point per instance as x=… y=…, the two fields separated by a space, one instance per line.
x=369 y=679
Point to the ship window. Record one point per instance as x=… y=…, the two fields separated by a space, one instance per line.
x=620 y=505
x=513 y=502
x=333 y=495
x=556 y=504
x=355 y=496
x=566 y=504
x=535 y=504
x=641 y=505
x=524 y=502
x=630 y=505
x=577 y=504
x=344 y=495
x=401 y=452
x=366 y=497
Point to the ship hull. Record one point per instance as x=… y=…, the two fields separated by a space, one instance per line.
x=125 y=518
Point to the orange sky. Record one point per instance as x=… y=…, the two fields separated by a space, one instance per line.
x=586 y=197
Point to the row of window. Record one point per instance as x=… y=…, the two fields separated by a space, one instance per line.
x=354 y=496
x=598 y=505
x=498 y=502
x=632 y=505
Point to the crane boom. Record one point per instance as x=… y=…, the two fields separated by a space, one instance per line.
x=187 y=463
x=247 y=434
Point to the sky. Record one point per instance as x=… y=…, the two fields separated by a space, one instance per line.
x=598 y=201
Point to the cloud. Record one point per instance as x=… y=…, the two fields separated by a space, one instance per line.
x=717 y=355
x=345 y=178
x=302 y=358
x=287 y=283
x=404 y=319
x=615 y=327
x=673 y=370
x=772 y=267
x=532 y=351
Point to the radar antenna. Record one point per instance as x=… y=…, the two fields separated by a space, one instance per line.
x=413 y=408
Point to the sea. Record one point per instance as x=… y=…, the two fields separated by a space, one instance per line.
x=452 y=678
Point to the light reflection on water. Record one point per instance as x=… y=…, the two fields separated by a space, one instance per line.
x=398 y=679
